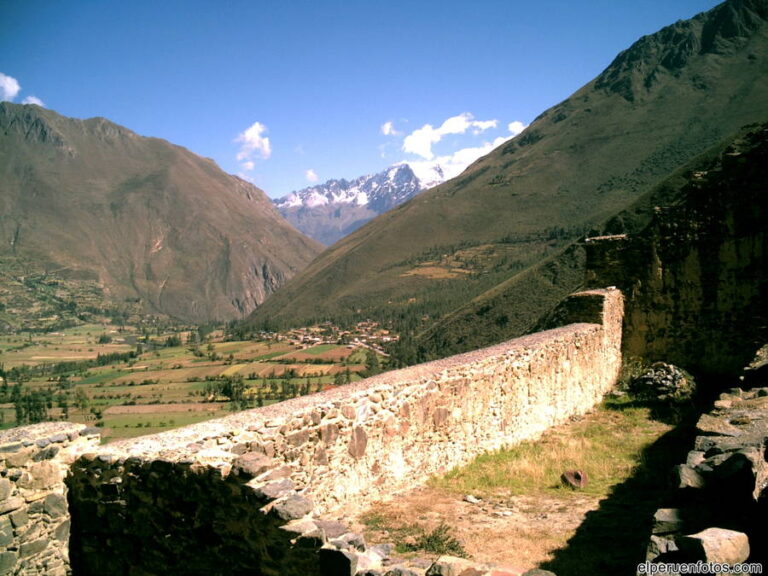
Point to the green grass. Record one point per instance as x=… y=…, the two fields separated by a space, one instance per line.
x=413 y=537
x=171 y=375
x=321 y=349
x=514 y=213
x=607 y=444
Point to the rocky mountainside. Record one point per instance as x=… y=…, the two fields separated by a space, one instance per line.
x=696 y=276
x=143 y=219
x=503 y=231
x=328 y=212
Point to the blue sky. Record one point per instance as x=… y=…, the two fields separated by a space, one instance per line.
x=289 y=92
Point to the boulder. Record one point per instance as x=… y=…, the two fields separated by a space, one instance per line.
x=292 y=508
x=715 y=545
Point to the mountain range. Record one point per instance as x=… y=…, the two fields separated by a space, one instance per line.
x=328 y=212
x=142 y=219
x=482 y=256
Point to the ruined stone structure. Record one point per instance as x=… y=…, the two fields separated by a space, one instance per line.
x=261 y=488
x=696 y=277
x=34 y=519
x=718 y=510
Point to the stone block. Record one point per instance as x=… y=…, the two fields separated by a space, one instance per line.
x=686 y=477
x=713 y=426
x=715 y=545
x=8 y=562
x=449 y=566
x=5 y=488
x=42 y=475
x=659 y=545
x=440 y=416
x=350 y=541
x=46 y=454
x=298 y=438
x=332 y=528
x=55 y=505
x=61 y=532
x=18 y=459
x=358 y=443
x=299 y=527
x=6 y=531
x=667 y=521
x=252 y=464
x=292 y=508
x=28 y=549
x=329 y=433
x=275 y=489
x=320 y=456
x=694 y=458
x=19 y=518
x=11 y=504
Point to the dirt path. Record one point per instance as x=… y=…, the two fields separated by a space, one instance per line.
x=521 y=531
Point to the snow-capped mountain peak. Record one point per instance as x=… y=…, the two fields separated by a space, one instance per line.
x=347 y=204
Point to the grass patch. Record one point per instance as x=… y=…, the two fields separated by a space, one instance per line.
x=607 y=444
x=320 y=349
x=416 y=538
x=437 y=541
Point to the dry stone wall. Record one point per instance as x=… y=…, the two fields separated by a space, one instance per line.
x=261 y=488
x=717 y=512
x=34 y=517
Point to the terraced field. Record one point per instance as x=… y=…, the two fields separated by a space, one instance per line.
x=132 y=384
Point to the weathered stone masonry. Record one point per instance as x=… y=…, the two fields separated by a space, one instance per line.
x=216 y=497
x=34 y=520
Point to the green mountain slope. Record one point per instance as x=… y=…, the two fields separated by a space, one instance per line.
x=505 y=224
x=140 y=217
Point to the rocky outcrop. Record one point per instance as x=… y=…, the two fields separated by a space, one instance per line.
x=696 y=278
x=717 y=512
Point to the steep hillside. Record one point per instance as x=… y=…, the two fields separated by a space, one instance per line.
x=505 y=224
x=144 y=219
x=696 y=277
x=328 y=212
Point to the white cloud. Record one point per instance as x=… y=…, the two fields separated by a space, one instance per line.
x=388 y=129
x=482 y=126
x=420 y=141
x=516 y=127
x=311 y=175
x=253 y=143
x=33 y=100
x=455 y=163
x=9 y=88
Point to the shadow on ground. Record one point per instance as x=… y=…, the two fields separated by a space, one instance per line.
x=612 y=539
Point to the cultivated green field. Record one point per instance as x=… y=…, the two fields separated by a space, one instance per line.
x=131 y=383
